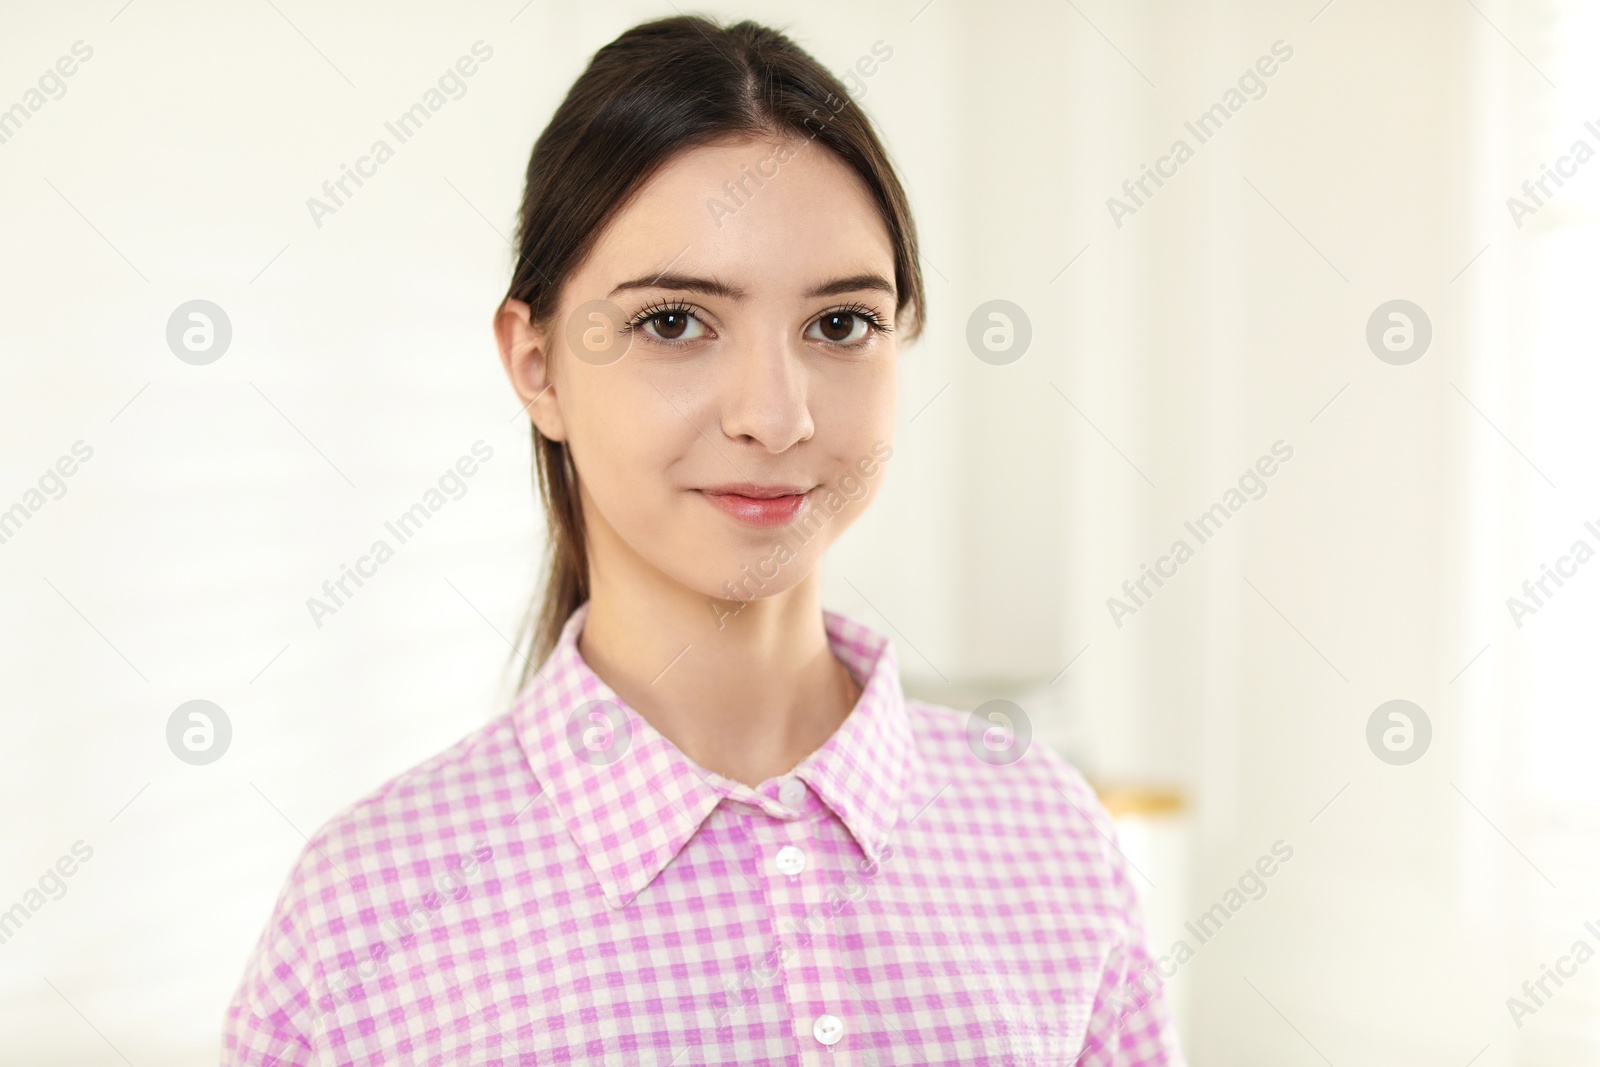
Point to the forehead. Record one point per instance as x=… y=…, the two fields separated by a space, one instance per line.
x=733 y=210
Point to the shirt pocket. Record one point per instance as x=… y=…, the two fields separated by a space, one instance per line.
x=949 y=1000
x=1025 y=1025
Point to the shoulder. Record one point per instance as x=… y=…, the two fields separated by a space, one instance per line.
x=1027 y=796
x=1015 y=762
x=383 y=869
x=1026 y=830
x=421 y=822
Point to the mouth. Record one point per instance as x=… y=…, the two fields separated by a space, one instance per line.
x=757 y=505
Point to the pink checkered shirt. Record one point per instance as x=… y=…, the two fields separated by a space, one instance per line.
x=564 y=886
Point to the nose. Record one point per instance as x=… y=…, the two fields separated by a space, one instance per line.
x=765 y=395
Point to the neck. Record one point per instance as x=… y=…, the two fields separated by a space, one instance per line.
x=748 y=699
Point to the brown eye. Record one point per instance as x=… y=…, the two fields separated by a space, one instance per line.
x=840 y=327
x=672 y=324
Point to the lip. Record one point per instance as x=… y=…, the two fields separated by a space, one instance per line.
x=758 y=505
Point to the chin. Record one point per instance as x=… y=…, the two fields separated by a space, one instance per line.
x=765 y=565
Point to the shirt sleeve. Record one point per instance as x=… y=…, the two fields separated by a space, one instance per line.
x=251 y=1040
x=1130 y=1022
x=270 y=1021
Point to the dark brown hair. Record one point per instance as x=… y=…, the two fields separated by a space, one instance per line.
x=662 y=88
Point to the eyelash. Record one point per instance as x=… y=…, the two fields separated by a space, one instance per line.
x=654 y=311
x=861 y=311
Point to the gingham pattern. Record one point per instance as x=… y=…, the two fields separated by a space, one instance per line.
x=512 y=903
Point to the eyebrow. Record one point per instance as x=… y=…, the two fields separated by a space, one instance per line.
x=852 y=283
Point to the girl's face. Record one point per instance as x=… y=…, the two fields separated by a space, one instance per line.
x=722 y=369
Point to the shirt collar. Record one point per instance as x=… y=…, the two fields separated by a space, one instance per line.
x=631 y=799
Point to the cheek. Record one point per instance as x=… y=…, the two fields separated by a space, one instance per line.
x=855 y=416
x=854 y=411
x=624 y=438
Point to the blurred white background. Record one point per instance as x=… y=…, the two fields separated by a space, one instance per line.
x=1168 y=353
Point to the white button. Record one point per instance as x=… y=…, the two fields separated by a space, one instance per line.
x=828 y=1029
x=792 y=861
x=792 y=792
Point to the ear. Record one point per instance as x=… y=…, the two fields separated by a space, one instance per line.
x=525 y=355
